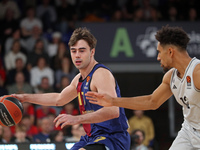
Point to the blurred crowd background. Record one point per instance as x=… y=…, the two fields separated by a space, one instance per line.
x=35 y=58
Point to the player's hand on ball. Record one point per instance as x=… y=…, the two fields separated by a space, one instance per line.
x=99 y=99
x=19 y=97
x=11 y=111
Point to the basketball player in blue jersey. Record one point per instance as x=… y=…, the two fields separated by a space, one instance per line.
x=182 y=79
x=105 y=127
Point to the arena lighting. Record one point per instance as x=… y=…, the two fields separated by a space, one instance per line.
x=9 y=147
x=36 y=146
x=69 y=145
x=42 y=146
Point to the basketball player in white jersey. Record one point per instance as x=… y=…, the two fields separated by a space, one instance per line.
x=182 y=79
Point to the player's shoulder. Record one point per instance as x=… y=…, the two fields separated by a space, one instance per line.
x=76 y=79
x=168 y=75
x=196 y=71
x=196 y=74
x=103 y=75
x=102 y=72
x=197 y=68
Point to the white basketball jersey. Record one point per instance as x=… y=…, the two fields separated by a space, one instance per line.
x=187 y=95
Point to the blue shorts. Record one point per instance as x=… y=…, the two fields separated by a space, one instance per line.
x=114 y=141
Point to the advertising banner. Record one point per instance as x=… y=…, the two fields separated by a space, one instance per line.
x=135 y=42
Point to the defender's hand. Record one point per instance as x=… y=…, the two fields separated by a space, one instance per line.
x=100 y=99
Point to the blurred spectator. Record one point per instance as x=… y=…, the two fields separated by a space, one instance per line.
x=40 y=71
x=67 y=69
x=31 y=129
x=15 y=53
x=146 y=7
x=117 y=16
x=66 y=11
x=34 y=38
x=9 y=4
x=3 y=89
x=20 y=135
x=77 y=131
x=172 y=14
x=64 y=82
x=19 y=67
x=29 y=22
x=20 y=86
x=44 y=86
x=155 y=15
x=137 y=138
x=7 y=135
x=138 y=15
x=130 y=7
x=143 y=122
x=68 y=31
x=47 y=14
x=30 y=111
x=61 y=52
x=92 y=16
x=8 y=26
x=43 y=111
x=37 y=52
x=192 y=14
x=1 y=56
x=45 y=127
x=56 y=136
x=106 y=8
x=16 y=35
x=53 y=46
x=69 y=109
x=52 y=116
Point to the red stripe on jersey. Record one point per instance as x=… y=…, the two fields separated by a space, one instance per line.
x=87 y=127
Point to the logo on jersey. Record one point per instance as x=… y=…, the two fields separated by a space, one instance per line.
x=87 y=81
x=174 y=87
x=185 y=101
x=100 y=138
x=188 y=78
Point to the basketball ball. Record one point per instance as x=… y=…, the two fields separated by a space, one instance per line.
x=11 y=111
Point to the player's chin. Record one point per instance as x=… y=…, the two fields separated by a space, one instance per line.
x=166 y=69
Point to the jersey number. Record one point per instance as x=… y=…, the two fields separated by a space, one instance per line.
x=185 y=101
x=79 y=98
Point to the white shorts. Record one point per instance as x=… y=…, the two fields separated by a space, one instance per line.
x=188 y=138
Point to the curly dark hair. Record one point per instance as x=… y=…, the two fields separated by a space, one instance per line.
x=83 y=34
x=173 y=35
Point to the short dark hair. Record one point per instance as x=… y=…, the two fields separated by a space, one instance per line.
x=82 y=34
x=138 y=130
x=173 y=35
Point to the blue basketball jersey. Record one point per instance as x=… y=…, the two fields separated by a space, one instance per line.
x=113 y=133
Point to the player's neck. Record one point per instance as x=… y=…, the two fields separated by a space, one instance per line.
x=182 y=65
x=84 y=72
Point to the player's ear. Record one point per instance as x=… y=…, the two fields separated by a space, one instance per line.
x=171 y=51
x=93 y=51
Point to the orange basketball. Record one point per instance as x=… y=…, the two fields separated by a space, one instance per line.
x=11 y=111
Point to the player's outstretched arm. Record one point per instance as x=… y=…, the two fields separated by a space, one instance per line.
x=51 y=99
x=146 y=102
